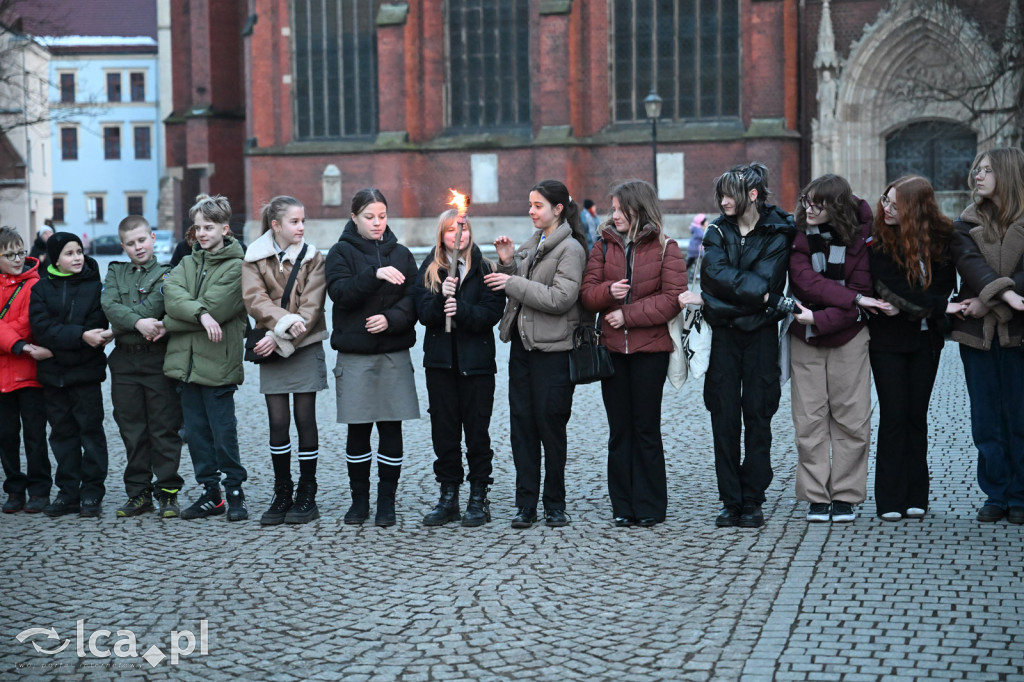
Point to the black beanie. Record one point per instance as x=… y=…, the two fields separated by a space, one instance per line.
x=56 y=243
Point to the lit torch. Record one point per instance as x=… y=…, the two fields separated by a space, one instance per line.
x=461 y=202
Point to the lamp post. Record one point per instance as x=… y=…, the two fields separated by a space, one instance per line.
x=652 y=103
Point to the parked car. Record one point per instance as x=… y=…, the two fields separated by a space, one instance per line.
x=107 y=244
x=165 y=242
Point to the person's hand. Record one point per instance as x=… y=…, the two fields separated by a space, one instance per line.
x=1013 y=299
x=496 y=280
x=615 y=319
x=975 y=308
x=803 y=315
x=296 y=329
x=162 y=331
x=94 y=337
x=150 y=328
x=505 y=248
x=37 y=352
x=619 y=290
x=265 y=346
x=876 y=304
x=376 y=324
x=891 y=310
x=449 y=285
x=956 y=308
x=390 y=273
x=690 y=298
x=213 y=330
x=450 y=307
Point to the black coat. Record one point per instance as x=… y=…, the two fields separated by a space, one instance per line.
x=60 y=311
x=477 y=310
x=737 y=271
x=901 y=333
x=39 y=251
x=352 y=284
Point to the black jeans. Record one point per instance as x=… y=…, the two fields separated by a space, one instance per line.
x=77 y=439
x=461 y=403
x=540 y=404
x=904 y=383
x=636 y=457
x=743 y=382
x=24 y=411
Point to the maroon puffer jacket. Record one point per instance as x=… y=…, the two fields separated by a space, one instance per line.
x=655 y=282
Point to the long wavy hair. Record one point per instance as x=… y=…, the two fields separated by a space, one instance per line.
x=442 y=258
x=1007 y=207
x=639 y=203
x=834 y=194
x=923 y=232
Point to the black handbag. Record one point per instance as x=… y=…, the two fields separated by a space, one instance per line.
x=589 y=361
x=254 y=335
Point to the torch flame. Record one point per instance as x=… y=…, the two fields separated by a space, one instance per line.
x=459 y=201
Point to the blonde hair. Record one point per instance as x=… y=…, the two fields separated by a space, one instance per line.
x=1008 y=167
x=216 y=209
x=431 y=279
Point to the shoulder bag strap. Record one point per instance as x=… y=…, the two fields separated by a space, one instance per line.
x=7 y=306
x=286 y=297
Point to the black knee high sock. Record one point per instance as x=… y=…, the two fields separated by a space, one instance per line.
x=307 y=465
x=281 y=458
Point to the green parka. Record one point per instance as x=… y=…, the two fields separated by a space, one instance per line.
x=206 y=283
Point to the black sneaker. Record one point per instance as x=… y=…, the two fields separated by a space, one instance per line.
x=819 y=512
x=62 y=506
x=843 y=512
x=15 y=502
x=90 y=508
x=210 y=503
x=36 y=503
x=168 y=501
x=752 y=516
x=237 y=511
x=139 y=504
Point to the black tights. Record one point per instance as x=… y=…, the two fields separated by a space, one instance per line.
x=389 y=439
x=305 y=420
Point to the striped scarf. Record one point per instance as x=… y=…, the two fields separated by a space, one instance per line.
x=827 y=257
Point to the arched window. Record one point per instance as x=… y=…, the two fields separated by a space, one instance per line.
x=938 y=150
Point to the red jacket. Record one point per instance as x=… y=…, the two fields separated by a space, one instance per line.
x=17 y=369
x=655 y=284
x=837 y=319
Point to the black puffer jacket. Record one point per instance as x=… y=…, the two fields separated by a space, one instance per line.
x=352 y=284
x=61 y=310
x=477 y=310
x=738 y=271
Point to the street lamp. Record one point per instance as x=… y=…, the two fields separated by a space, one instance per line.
x=652 y=103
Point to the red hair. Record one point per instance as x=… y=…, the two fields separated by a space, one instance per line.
x=923 y=232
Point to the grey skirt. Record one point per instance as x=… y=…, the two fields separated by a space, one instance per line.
x=304 y=371
x=375 y=388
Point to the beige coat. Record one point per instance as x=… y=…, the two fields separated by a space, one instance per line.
x=543 y=292
x=263 y=282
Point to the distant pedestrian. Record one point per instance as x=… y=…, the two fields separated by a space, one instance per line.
x=370 y=278
x=542 y=281
x=988 y=246
x=591 y=223
x=295 y=331
x=39 y=246
x=697 y=227
x=912 y=270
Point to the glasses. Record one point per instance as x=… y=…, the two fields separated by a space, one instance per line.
x=886 y=203
x=15 y=255
x=982 y=171
x=809 y=206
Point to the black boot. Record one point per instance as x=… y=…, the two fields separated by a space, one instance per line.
x=386 y=503
x=280 y=505
x=447 y=507
x=478 y=510
x=305 y=509
x=359 y=482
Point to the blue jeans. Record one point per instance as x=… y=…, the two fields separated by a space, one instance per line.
x=995 y=383
x=211 y=431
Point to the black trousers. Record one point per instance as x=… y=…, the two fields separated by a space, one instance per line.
x=540 y=404
x=24 y=412
x=636 y=457
x=77 y=439
x=904 y=383
x=460 y=404
x=742 y=382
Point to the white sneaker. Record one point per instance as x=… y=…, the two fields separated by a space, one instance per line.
x=915 y=513
x=891 y=516
x=843 y=512
x=819 y=512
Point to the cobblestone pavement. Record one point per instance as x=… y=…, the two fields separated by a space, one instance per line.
x=939 y=598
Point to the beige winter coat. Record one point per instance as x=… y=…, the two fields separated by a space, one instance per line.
x=543 y=292
x=263 y=282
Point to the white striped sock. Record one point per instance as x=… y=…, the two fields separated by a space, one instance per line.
x=280 y=449
x=312 y=454
x=389 y=461
x=359 y=459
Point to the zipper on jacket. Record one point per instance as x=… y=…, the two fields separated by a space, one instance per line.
x=625 y=335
